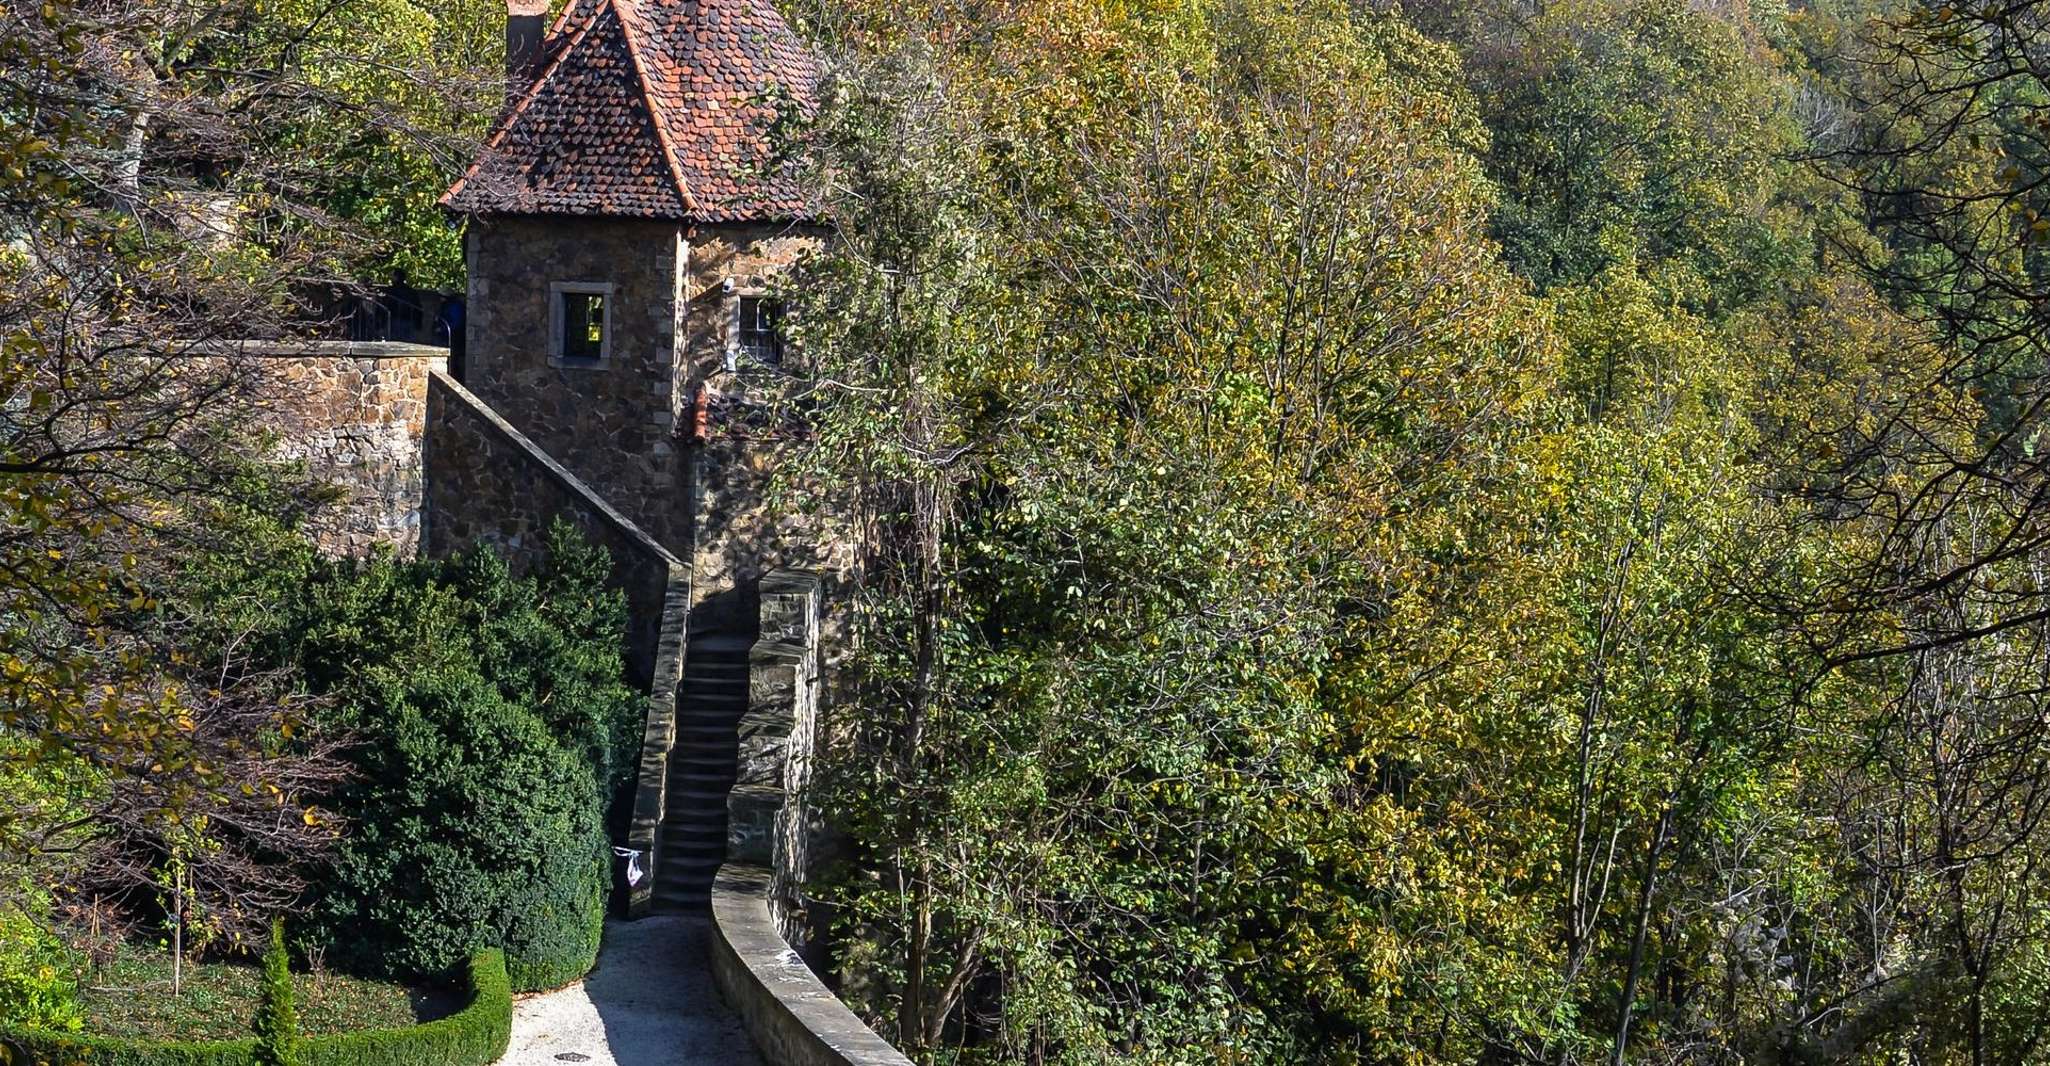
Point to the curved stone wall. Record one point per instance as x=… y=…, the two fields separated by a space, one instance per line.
x=791 y=1015
x=794 y=1018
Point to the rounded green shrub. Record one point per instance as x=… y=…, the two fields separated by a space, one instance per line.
x=488 y=717
x=552 y=934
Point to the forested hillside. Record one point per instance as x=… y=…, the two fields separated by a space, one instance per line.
x=1473 y=531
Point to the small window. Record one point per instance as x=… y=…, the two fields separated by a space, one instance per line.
x=583 y=325
x=580 y=333
x=761 y=330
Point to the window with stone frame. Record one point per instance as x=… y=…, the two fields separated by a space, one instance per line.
x=581 y=324
x=759 y=337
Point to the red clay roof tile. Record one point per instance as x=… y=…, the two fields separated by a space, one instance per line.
x=652 y=109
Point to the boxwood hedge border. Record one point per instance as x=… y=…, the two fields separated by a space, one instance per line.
x=473 y=1036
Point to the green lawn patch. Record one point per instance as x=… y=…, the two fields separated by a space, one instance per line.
x=131 y=998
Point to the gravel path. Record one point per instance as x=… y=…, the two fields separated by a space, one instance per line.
x=650 y=1002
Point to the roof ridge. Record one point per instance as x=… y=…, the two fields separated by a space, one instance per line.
x=655 y=114
x=533 y=90
x=562 y=19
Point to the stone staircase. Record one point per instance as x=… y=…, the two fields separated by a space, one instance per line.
x=701 y=771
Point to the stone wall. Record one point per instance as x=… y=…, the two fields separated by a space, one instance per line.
x=355 y=414
x=488 y=483
x=792 y=1017
x=627 y=426
x=746 y=526
x=612 y=423
x=754 y=259
x=749 y=526
x=768 y=823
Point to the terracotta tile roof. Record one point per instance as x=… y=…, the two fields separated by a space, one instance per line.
x=651 y=109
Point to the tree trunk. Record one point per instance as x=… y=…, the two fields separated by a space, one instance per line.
x=1646 y=890
x=128 y=169
x=178 y=931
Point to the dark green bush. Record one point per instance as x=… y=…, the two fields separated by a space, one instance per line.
x=488 y=715
x=489 y=712
x=552 y=938
x=474 y=1036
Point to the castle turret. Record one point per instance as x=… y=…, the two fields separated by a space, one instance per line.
x=626 y=223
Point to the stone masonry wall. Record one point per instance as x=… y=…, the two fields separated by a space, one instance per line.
x=625 y=427
x=744 y=527
x=355 y=414
x=768 y=823
x=487 y=483
x=791 y=1016
x=611 y=423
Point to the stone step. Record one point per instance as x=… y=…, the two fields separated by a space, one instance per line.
x=706 y=819
x=727 y=722
x=702 y=768
x=716 y=666
x=698 y=658
x=701 y=718
x=711 y=693
x=720 y=669
x=696 y=798
x=689 y=779
x=701 y=701
x=690 y=902
x=695 y=830
x=714 y=670
x=678 y=855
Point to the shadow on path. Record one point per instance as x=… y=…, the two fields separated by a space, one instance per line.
x=650 y=1002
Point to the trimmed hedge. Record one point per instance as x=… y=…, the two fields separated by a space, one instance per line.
x=552 y=938
x=474 y=1036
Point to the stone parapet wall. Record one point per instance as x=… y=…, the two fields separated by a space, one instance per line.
x=793 y=1018
x=488 y=484
x=767 y=822
x=355 y=414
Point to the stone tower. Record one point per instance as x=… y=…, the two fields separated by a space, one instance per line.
x=627 y=223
